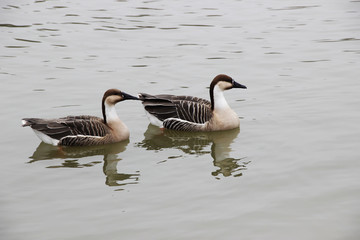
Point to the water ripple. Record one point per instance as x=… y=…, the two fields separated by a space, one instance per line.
x=76 y=23
x=13 y=6
x=352 y=51
x=312 y=61
x=57 y=7
x=196 y=25
x=65 y=68
x=13 y=25
x=293 y=8
x=139 y=26
x=148 y=8
x=13 y=46
x=48 y=29
x=139 y=15
x=168 y=28
x=190 y=44
x=27 y=40
x=273 y=53
x=339 y=40
x=58 y=45
x=139 y=65
x=66 y=106
x=112 y=29
x=107 y=18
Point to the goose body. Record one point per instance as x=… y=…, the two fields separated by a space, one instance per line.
x=187 y=113
x=84 y=130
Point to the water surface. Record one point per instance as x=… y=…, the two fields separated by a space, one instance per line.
x=290 y=172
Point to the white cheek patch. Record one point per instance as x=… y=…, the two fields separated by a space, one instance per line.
x=113 y=99
x=224 y=85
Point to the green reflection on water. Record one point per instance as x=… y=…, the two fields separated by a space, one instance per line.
x=71 y=156
x=197 y=143
x=216 y=145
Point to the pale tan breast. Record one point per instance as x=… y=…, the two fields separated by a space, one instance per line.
x=119 y=131
x=224 y=120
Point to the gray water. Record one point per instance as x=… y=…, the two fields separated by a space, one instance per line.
x=290 y=172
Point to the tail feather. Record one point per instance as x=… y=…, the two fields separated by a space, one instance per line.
x=25 y=122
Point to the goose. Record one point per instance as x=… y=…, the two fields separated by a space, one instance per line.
x=193 y=114
x=84 y=130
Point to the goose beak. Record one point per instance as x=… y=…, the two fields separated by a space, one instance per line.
x=129 y=97
x=238 y=85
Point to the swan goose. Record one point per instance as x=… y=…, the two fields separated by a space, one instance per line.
x=84 y=130
x=187 y=113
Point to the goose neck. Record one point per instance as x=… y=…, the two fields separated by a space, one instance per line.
x=218 y=101
x=109 y=113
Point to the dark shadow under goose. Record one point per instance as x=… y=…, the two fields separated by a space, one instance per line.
x=187 y=113
x=84 y=130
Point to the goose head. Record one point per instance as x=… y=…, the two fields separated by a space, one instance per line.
x=218 y=85
x=110 y=98
x=113 y=96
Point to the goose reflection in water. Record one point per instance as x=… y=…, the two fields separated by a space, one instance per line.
x=71 y=156
x=196 y=143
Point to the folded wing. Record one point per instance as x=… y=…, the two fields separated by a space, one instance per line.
x=190 y=109
x=69 y=126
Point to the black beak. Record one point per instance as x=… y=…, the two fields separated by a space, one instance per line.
x=238 y=85
x=129 y=97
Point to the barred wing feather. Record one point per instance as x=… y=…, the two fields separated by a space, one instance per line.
x=191 y=109
x=159 y=106
x=182 y=125
x=87 y=127
x=69 y=126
